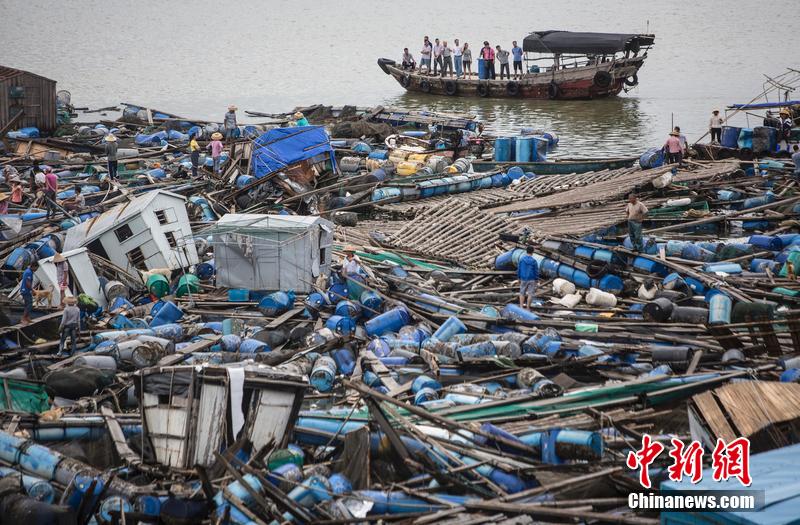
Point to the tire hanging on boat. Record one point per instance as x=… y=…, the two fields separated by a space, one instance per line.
x=553 y=90
x=384 y=62
x=425 y=86
x=512 y=88
x=602 y=79
x=406 y=80
x=632 y=80
x=450 y=87
x=483 y=90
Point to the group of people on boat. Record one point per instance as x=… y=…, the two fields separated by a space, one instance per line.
x=439 y=58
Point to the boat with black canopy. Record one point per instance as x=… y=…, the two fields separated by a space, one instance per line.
x=558 y=65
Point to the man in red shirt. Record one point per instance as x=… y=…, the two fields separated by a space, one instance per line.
x=487 y=54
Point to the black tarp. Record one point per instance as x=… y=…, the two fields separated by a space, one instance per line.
x=592 y=43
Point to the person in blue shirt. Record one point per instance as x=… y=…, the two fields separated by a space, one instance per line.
x=26 y=291
x=528 y=274
x=516 y=52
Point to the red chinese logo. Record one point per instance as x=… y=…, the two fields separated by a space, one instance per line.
x=643 y=457
x=730 y=460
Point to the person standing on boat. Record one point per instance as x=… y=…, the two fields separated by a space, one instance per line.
x=447 y=59
x=516 y=51
x=715 y=126
x=458 y=53
x=230 y=123
x=528 y=275
x=635 y=211
x=111 y=156
x=50 y=191
x=438 y=48
x=408 y=59
x=683 y=141
x=487 y=54
x=673 y=148
x=70 y=326
x=466 y=60
x=785 y=131
x=502 y=57
x=194 y=154
x=425 y=60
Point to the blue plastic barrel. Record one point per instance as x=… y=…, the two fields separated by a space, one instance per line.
x=745 y=140
x=539 y=150
x=517 y=313
x=253 y=346
x=341 y=325
x=389 y=321
x=566 y=272
x=581 y=279
x=767 y=242
x=276 y=303
x=379 y=347
x=425 y=395
x=729 y=268
x=167 y=313
x=524 y=149
x=238 y=295
x=205 y=270
x=482 y=72
x=611 y=283
x=372 y=303
x=244 y=181
x=549 y=267
x=719 y=309
x=652 y=158
x=323 y=373
x=348 y=309
x=424 y=381
x=345 y=360
x=730 y=137
x=502 y=149
x=337 y=292
x=19 y=259
x=449 y=328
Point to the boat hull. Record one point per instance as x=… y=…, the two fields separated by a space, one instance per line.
x=566 y=84
x=558 y=167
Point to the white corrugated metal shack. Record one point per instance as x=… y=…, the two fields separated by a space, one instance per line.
x=271 y=252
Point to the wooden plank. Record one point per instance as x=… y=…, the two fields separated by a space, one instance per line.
x=120 y=443
x=278 y=321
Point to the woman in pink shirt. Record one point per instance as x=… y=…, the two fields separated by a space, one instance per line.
x=50 y=190
x=673 y=148
x=216 y=149
x=487 y=54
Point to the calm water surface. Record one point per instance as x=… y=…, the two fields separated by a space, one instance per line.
x=195 y=58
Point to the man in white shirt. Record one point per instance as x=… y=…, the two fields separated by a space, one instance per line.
x=715 y=126
x=458 y=51
x=438 y=49
x=351 y=264
x=447 y=59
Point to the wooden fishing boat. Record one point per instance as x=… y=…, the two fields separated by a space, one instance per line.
x=583 y=66
x=558 y=166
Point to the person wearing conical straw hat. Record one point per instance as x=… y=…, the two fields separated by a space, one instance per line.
x=351 y=264
x=111 y=155
x=229 y=124
x=70 y=325
x=300 y=119
x=3 y=203
x=673 y=148
x=216 y=149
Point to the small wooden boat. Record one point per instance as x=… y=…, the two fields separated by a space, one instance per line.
x=558 y=166
x=584 y=66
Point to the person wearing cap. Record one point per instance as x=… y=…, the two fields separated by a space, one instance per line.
x=194 y=154
x=715 y=126
x=50 y=191
x=487 y=54
x=635 y=211
x=673 y=148
x=229 y=124
x=111 y=155
x=3 y=203
x=300 y=119
x=75 y=203
x=70 y=326
x=216 y=149
x=62 y=274
x=26 y=291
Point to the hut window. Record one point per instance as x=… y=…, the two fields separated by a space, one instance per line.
x=171 y=239
x=161 y=215
x=136 y=259
x=123 y=233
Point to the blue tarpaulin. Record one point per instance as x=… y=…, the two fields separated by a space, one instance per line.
x=282 y=147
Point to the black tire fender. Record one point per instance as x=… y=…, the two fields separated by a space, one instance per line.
x=602 y=79
x=512 y=88
x=553 y=91
x=483 y=89
x=384 y=62
x=405 y=81
x=450 y=87
x=632 y=80
x=425 y=86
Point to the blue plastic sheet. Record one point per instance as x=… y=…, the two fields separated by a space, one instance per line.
x=282 y=147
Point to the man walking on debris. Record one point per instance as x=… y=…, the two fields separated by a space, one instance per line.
x=636 y=212
x=528 y=274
